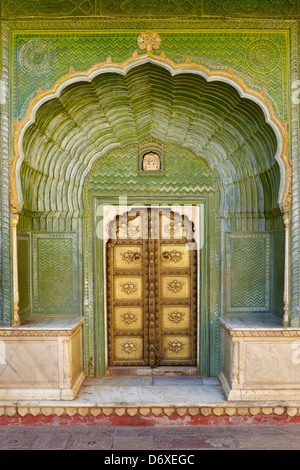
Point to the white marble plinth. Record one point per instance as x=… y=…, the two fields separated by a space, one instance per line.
x=261 y=359
x=41 y=359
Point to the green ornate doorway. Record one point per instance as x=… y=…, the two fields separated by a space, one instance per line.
x=220 y=147
x=149 y=191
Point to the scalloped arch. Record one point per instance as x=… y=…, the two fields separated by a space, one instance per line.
x=86 y=114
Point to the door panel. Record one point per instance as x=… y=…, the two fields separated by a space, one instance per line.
x=176 y=317
x=131 y=346
x=175 y=286
x=152 y=293
x=177 y=283
x=127 y=300
x=176 y=349
x=128 y=258
x=129 y=318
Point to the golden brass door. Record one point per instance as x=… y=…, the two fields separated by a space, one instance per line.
x=152 y=291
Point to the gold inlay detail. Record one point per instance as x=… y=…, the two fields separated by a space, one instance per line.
x=173 y=256
x=149 y=40
x=176 y=317
x=176 y=346
x=129 y=347
x=128 y=288
x=175 y=286
x=131 y=257
x=128 y=318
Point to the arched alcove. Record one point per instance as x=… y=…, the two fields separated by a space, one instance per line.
x=92 y=125
x=71 y=131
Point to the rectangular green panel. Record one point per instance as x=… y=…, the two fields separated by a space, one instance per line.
x=24 y=275
x=151 y=7
x=248 y=272
x=55 y=273
x=278 y=273
x=62 y=8
x=252 y=8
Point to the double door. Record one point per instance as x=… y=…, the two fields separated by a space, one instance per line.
x=152 y=291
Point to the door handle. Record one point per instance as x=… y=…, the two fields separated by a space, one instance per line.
x=174 y=256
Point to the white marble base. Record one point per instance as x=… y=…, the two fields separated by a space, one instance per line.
x=41 y=360
x=261 y=360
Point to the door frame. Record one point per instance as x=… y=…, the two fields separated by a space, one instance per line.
x=99 y=272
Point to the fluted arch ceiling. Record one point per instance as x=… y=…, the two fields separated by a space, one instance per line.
x=80 y=123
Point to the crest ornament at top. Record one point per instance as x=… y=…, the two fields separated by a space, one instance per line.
x=149 y=40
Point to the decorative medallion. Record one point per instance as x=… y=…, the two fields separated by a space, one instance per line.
x=149 y=40
x=151 y=162
x=176 y=317
x=175 y=286
x=175 y=346
x=36 y=56
x=129 y=318
x=128 y=347
x=128 y=288
x=131 y=257
x=262 y=56
x=173 y=256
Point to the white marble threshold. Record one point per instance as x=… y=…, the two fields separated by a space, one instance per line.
x=137 y=391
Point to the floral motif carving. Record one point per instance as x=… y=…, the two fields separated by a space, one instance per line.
x=173 y=256
x=149 y=40
x=129 y=317
x=175 y=286
x=176 y=317
x=131 y=257
x=128 y=288
x=175 y=346
x=129 y=347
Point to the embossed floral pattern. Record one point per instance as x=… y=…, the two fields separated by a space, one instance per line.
x=173 y=256
x=175 y=346
x=128 y=347
x=131 y=256
x=149 y=40
x=128 y=288
x=176 y=317
x=129 y=317
x=175 y=286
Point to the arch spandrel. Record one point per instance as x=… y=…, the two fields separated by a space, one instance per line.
x=75 y=171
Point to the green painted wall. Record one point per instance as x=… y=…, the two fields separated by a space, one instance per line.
x=259 y=57
x=142 y=8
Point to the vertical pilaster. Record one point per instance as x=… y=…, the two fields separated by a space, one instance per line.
x=5 y=251
x=295 y=206
x=16 y=297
